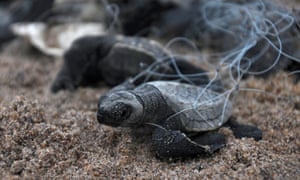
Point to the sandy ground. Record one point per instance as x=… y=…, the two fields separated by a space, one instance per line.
x=57 y=136
x=46 y=135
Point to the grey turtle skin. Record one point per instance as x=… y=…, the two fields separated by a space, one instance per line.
x=185 y=117
x=113 y=59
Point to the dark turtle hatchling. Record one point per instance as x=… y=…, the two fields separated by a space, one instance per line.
x=185 y=117
x=113 y=59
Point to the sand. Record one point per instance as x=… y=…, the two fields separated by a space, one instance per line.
x=44 y=135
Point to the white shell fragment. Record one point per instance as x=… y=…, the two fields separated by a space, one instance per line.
x=54 y=40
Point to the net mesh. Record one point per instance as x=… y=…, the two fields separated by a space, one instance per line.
x=231 y=40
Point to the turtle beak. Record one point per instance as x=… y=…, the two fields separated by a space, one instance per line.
x=103 y=117
x=100 y=115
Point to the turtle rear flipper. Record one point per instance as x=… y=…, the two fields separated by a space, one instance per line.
x=213 y=139
x=242 y=130
x=173 y=143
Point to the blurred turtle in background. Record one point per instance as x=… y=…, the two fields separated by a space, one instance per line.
x=114 y=59
x=20 y=11
x=252 y=37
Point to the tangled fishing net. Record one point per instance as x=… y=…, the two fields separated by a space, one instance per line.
x=243 y=37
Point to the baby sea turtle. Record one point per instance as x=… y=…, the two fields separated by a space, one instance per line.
x=113 y=59
x=185 y=117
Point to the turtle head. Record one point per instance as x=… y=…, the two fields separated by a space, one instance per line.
x=120 y=108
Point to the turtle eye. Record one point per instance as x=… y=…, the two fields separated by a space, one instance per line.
x=125 y=112
x=122 y=111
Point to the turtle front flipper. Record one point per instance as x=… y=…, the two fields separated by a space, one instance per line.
x=243 y=130
x=80 y=67
x=174 y=143
x=63 y=81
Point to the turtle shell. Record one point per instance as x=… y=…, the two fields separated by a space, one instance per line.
x=197 y=108
x=128 y=57
x=142 y=45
